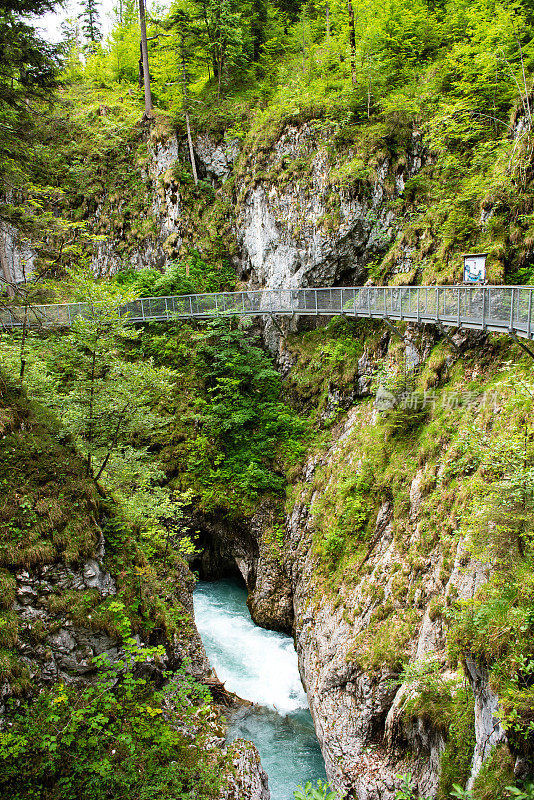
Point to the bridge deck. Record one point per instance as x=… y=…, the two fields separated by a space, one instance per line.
x=501 y=309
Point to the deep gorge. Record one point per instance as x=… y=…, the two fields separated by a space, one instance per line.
x=366 y=488
x=261 y=668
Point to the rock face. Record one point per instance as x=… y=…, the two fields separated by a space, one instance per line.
x=298 y=219
x=216 y=158
x=488 y=729
x=66 y=649
x=249 y=780
x=56 y=644
x=357 y=714
x=310 y=230
x=18 y=256
x=165 y=210
x=214 y=161
x=240 y=549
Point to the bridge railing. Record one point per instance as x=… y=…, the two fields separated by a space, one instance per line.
x=496 y=308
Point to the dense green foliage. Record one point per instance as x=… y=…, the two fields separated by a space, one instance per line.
x=191 y=276
x=451 y=79
x=118 y=737
x=168 y=418
x=319 y=791
x=206 y=402
x=244 y=425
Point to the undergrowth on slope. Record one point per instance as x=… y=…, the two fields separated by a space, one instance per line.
x=117 y=737
x=203 y=413
x=472 y=455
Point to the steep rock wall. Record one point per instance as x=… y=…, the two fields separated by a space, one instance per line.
x=300 y=224
x=298 y=217
x=357 y=702
x=163 y=210
x=172 y=218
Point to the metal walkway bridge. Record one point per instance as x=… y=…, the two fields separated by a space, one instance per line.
x=500 y=309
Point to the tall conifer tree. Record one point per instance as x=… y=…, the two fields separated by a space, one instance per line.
x=91 y=26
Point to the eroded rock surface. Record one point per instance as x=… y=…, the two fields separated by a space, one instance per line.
x=249 y=780
x=306 y=229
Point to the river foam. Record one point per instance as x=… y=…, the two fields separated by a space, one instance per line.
x=260 y=666
x=256 y=664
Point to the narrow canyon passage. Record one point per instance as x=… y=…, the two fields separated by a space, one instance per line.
x=260 y=666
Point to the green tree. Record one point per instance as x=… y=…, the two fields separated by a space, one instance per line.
x=28 y=74
x=91 y=26
x=223 y=28
x=109 y=395
x=258 y=22
x=144 y=58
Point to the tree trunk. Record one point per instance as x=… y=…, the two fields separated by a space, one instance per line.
x=257 y=30
x=144 y=50
x=186 y=113
x=352 y=36
x=90 y=420
x=369 y=93
x=140 y=65
x=5 y=267
x=303 y=43
x=220 y=66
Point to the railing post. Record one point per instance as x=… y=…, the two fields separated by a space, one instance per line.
x=143 y=310
x=368 y=302
x=437 y=303
x=316 y=304
x=512 y=310
x=190 y=305
x=529 y=313
x=458 y=290
x=483 y=309
x=166 y=310
x=68 y=312
x=243 y=302
x=418 y=290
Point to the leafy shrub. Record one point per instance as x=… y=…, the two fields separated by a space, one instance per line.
x=524 y=792
x=407 y=790
x=115 y=738
x=242 y=422
x=310 y=792
x=191 y=276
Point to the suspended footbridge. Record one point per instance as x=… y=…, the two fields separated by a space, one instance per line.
x=499 y=309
